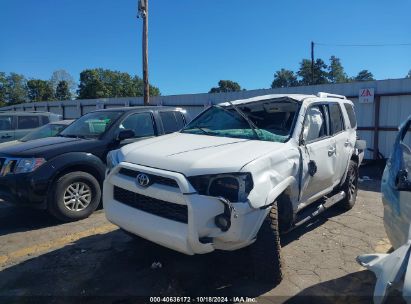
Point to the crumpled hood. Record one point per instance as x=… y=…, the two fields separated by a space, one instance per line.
x=193 y=154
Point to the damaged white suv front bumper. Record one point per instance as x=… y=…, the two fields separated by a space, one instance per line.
x=168 y=211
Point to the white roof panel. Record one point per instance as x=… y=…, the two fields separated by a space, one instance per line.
x=297 y=97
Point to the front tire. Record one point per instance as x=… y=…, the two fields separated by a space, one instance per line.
x=266 y=251
x=350 y=187
x=74 y=196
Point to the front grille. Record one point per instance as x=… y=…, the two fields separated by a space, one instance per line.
x=155 y=179
x=151 y=205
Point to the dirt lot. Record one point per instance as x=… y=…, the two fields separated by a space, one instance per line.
x=92 y=258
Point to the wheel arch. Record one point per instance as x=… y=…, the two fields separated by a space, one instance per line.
x=288 y=187
x=79 y=167
x=354 y=157
x=69 y=162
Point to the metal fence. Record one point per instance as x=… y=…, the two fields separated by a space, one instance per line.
x=377 y=121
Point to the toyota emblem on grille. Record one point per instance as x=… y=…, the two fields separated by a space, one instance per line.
x=143 y=179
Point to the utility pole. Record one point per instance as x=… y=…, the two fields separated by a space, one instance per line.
x=312 y=62
x=143 y=13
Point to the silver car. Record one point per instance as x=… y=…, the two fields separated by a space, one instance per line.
x=15 y=125
x=396 y=188
x=51 y=129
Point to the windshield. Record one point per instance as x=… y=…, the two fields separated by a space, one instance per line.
x=44 y=131
x=91 y=125
x=270 y=121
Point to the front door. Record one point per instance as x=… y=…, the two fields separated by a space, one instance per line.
x=318 y=151
x=142 y=124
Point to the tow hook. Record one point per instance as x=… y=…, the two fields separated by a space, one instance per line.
x=223 y=220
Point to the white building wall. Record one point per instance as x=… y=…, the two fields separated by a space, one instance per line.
x=394 y=107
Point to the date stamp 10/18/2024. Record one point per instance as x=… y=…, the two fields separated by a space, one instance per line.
x=186 y=299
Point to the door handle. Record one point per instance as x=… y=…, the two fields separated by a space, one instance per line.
x=347 y=143
x=6 y=136
x=331 y=151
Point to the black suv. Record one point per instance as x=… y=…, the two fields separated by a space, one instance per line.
x=64 y=173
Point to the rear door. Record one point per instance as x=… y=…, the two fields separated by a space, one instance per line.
x=26 y=124
x=172 y=121
x=341 y=135
x=6 y=128
x=318 y=154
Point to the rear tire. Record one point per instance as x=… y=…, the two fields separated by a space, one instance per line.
x=74 y=196
x=266 y=251
x=350 y=187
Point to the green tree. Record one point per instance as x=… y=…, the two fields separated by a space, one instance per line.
x=138 y=88
x=364 y=75
x=3 y=86
x=63 y=91
x=336 y=72
x=40 y=90
x=305 y=73
x=103 y=83
x=63 y=75
x=92 y=85
x=16 y=88
x=408 y=75
x=226 y=86
x=284 y=79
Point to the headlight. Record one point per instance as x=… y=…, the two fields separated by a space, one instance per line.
x=233 y=186
x=26 y=165
x=114 y=157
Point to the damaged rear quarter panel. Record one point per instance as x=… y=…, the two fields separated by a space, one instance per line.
x=274 y=173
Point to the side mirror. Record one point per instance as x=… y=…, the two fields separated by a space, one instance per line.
x=125 y=134
x=401 y=181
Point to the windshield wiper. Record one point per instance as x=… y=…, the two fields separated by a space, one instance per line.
x=198 y=128
x=248 y=120
x=74 y=136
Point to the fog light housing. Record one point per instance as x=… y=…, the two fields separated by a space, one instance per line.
x=223 y=222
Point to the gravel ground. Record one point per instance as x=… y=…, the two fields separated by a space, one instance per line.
x=95 y=260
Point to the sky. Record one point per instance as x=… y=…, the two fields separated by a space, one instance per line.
x=195 y=43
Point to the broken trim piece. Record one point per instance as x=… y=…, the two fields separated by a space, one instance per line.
x=390 y=269
x=223 y=220
x=331 y=201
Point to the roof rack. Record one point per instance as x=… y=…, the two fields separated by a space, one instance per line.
x=329 y=95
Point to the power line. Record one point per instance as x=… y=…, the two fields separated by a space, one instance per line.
x=364 y=45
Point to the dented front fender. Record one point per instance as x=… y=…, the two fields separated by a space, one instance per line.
x=273 y=174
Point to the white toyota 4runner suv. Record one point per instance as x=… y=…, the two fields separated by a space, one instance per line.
x=239 y=174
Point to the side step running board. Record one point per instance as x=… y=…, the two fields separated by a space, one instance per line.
x=331 y=201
